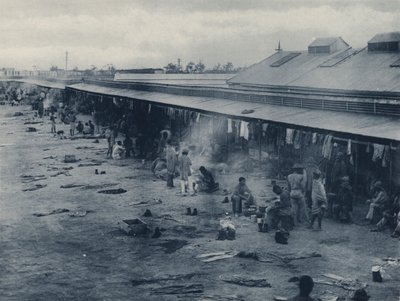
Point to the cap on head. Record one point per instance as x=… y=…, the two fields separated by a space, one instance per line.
x=202 y=168
x=185 y=151
x=378 y=184
x=242 y=179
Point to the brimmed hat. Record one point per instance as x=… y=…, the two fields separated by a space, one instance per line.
x=185 y=151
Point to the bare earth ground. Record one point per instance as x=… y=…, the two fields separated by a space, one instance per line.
x=59 y=257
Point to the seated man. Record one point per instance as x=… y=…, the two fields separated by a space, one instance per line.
x=206 y=181
x=118 y=151
x=390 y=217
x=79 y=127
x=379 y=202
x=91 y=127
x=343 y=206
x=241 y=192
x=306 y=285
x=279 y=215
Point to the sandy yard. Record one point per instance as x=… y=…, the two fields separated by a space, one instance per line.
x=60 y=257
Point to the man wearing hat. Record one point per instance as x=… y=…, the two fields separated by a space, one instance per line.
x=379 y=202
x=296 y=186
x=343 y=207
x=185 y=172
x=318 y=197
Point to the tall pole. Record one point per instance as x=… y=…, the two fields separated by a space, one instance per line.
x=66 y=60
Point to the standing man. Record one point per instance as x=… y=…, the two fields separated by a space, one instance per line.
x=281 y=212
x=296 y=185
x=72 y=120
x=185 y=173
x=171 y=163
x=53 y=123
x=318 y=197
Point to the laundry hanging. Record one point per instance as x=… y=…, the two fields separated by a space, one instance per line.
x=230 y=126
x=378 y=151
x=314 y=138
x=244 y=130
x=386 y=156
x=327 y=147
x=297 y=139
x=289 y=136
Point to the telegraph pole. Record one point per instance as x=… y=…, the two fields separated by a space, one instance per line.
x=66 y=60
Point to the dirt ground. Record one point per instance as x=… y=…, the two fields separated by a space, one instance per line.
x=60 y=257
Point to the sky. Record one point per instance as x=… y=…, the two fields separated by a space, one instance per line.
x=152 y=33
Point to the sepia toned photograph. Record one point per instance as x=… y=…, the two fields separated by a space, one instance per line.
x=205 y=150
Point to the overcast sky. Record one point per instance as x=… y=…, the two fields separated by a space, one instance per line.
x=150 y=33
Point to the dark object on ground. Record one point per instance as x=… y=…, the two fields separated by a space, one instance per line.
x=178 y=289
x=226 y=233
x=281 y=237
x=88 y=164
x=60 y=133
x=252 y=255
x=247 y=111
x=294 y=279
x=172 y=245
x=194 y=212
x=96 y=171
x=103 y=172
x=99 y=186
x=71 y=185
x=376 y=274
x=31 y=129
x=138 y=282
x=134 y=227
x=18 y=114
x=239 y=280
x=147 y=213
x=79 y=213
x=36 y=187
x=32 y=178
x=33 y=122
x=188 y=211
x=360 y=295
x=226 y=200
x=113 y=191
x=157 y=233
x=55 y=211
x=96 y=141
x=70 y=159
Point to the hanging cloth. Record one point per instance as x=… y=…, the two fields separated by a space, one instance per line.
x=289 y=136
x=230 y=130
x=386 y=156
x=297 y=139
x=378 y=151
x=244 y=130
x=327 y=147
x=149 y=111
x=314 y=138
x=198 y=117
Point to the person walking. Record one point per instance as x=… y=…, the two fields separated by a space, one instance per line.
x=53 y=123
x=171 y=163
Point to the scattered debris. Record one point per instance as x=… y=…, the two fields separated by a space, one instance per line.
x=147 y=213
x=338 y=281
x=36 y=187
x=31 y=129
x=52 y=168
x=55 y=211
x=178 y=289
x=99 y=186
x=71 y=185
x=226 y=230
x=146 y=203
x=138 y=282
x=334 y=240
x=79 y=213
x=210 y=257
x=50 y=157
x=112 y=191
x=289 y=257
x=103 y=172
x=32 y=178
x=18 y=114
x=85 y=147
x=251 y=282
x=213 y=298
x=157 y=233
x=88 y=164
x=172 y=245
x=70 y=159
x=134 y=227
x=33 y=122
x=65 y=173
x=376 y=274
x=279 y=298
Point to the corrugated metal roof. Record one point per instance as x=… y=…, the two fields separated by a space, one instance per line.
x=363 y=71
x=386 y=37
x=380 y=127
x=325 y=41
x=42 y=83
